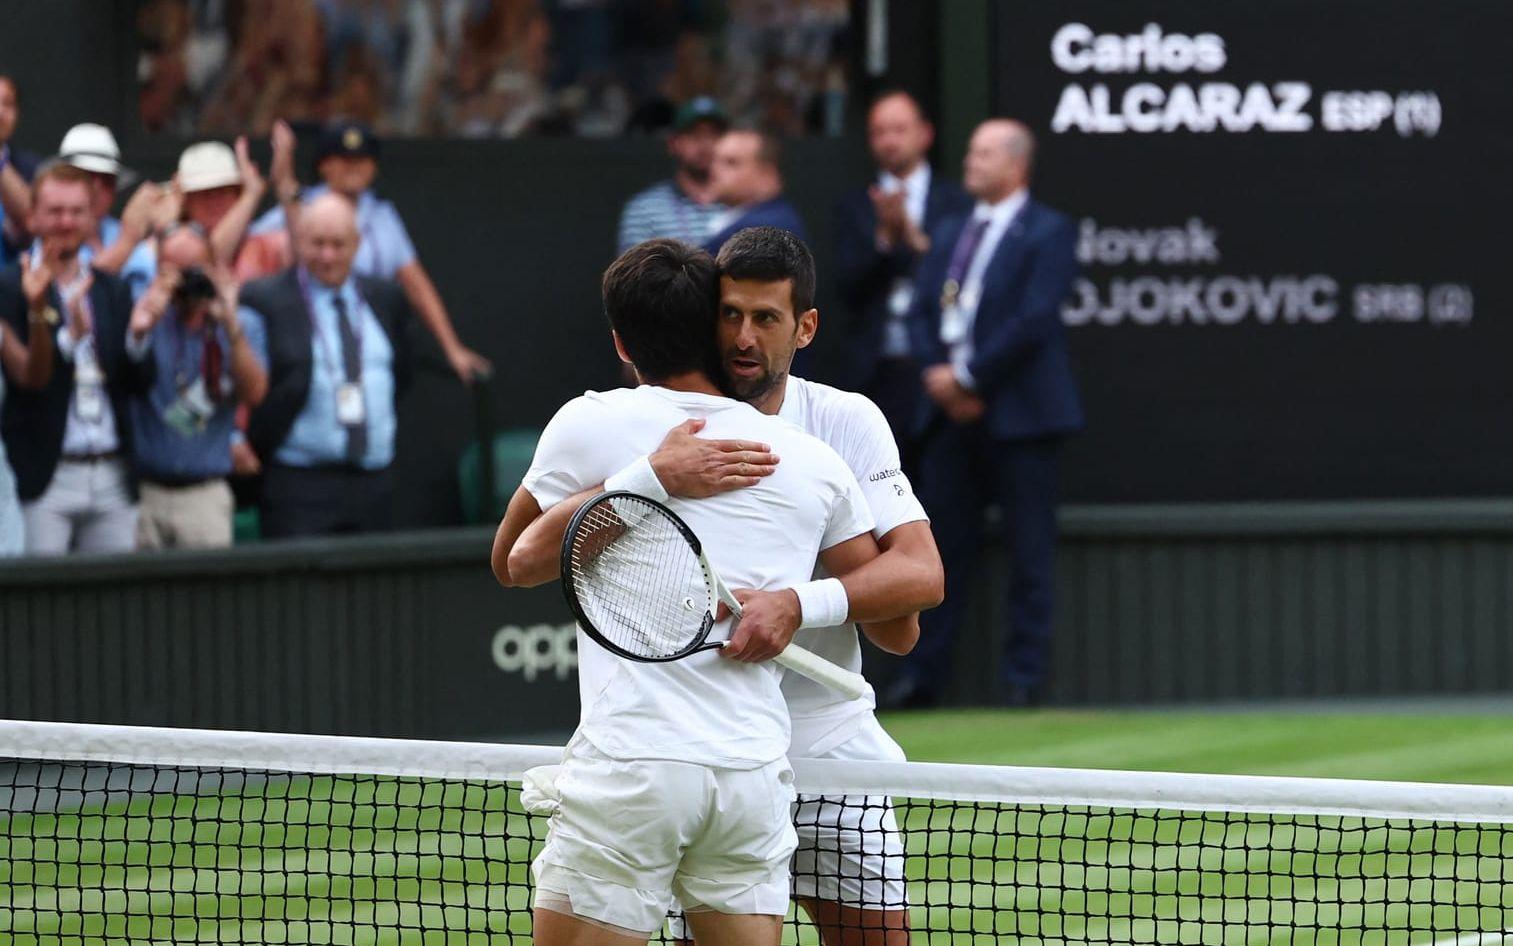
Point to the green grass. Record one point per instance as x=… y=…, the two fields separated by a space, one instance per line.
x=322 y=860
x=1436 y=748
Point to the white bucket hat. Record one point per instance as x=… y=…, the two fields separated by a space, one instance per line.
x=206 y=166
x=92 y=147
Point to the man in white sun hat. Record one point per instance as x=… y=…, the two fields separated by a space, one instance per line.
x=92 y=148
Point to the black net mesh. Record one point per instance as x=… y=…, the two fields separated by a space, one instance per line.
x=102 y=853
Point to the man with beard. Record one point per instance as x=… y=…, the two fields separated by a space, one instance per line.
x=681 y=207
x=849 y=864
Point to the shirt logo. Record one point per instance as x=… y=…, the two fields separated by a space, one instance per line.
x=881 y=475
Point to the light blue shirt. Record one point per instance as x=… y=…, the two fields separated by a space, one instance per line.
x=316 y=438
x=384 y=247
x=137 y=272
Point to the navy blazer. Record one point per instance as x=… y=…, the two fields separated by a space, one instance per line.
x=33 y=422
x=1019 y=348
x=866 y=275
x=776 y=212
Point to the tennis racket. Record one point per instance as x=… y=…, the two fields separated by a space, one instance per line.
x=637 y=579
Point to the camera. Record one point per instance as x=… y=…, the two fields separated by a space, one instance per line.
x=195 y=286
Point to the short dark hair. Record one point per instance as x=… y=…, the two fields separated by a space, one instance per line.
x=771 y=254
x=660 y=297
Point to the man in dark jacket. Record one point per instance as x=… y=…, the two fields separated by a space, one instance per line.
x=985 y=326
x=69 y=441
x=334 y=345
x=746 y=177
x=881 y=232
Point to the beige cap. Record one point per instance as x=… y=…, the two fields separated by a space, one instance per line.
x=91 y=147
x=206 y=166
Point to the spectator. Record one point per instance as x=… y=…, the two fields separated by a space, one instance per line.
x=346 y=158
x=881 y=232
x=746 y=177
x=222 y=188
x=986 y=326
x=184 y=423
x=66 y=441
x=110 y=246
x=16 y=170
x=334 y=345
x=31 y=366
x=683 y=206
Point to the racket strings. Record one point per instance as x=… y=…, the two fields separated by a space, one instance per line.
x=637 y=578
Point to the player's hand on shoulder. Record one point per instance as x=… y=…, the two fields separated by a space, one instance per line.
x=769 y=619
x=693 y=468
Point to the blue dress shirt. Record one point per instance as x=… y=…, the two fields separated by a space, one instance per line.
x=317 y=438
x=384 y=247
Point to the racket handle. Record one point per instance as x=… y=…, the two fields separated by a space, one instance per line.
x=843 y=681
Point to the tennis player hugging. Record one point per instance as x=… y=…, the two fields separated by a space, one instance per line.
x=675 y=793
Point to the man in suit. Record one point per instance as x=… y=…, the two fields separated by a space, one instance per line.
x=69 y=441
x=986 y=326
x=882 y=230
x=334 y=346
x=747 y=179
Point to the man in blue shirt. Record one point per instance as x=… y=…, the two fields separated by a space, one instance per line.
x=183 y=424
x=334 y=344
x=346 y=158
x=746 y=178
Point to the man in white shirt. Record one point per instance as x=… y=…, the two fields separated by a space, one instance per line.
x=849 y=864
x=985 y=325
x=676 y=781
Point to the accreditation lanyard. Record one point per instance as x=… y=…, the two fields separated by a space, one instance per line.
x=338 y=369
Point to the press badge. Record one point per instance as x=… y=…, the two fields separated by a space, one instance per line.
x=190 y=413
x=349 y=405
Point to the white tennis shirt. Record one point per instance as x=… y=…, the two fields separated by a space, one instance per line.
x=705 y=708
x=854 y=427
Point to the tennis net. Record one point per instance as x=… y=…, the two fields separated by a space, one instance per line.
x=125 y=834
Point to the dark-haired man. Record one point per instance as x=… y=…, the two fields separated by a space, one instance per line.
x=682 y=207
x=656 y=745
x=850 y=857
x=881 y=231
x=747 y=178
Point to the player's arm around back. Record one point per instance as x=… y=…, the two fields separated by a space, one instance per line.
x=527 y=547
x=887 y=584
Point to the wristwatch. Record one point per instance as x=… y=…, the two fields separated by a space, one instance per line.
x=48 y=316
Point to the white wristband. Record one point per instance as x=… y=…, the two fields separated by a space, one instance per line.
x=822 y=603
x=638 y=478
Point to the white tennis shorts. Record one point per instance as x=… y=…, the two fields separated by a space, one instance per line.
x=627 y=836
x=850 y=850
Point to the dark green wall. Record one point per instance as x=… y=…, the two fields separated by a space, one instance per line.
x=408 y=635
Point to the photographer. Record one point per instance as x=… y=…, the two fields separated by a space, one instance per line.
x=187 y=322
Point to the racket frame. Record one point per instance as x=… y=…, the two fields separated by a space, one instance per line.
x=850 y=684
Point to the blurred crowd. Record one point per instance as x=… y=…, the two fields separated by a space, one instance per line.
x=237 y=326
x=157 y=361
x=489 y=68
